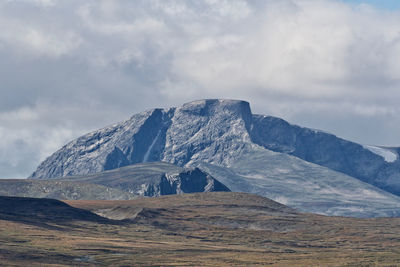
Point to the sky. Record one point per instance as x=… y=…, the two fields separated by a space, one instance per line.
x=383 y=4
x=69 y=67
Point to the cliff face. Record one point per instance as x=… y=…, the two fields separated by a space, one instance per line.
x=189 y=181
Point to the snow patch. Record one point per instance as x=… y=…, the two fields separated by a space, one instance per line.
x=142 y=190
x=281 y=199
x=387 y=154
x=146 y=156
x=372 y=194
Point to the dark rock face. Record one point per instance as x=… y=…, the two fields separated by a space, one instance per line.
x=115 y=160
x=190 y=181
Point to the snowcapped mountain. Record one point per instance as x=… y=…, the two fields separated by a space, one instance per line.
x=247 y=152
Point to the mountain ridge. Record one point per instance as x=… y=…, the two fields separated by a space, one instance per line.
x=129 y=182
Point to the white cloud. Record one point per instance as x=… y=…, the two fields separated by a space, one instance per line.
x=107 y=26
x=47 y=44
x=27 y=38
x=312 y=49
x=70 y=66
x=235 y=9
x=45 y=3
x=42 y=3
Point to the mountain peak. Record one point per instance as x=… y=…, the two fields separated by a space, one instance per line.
x=207 y=130
x=207 y=107
x=217 y=101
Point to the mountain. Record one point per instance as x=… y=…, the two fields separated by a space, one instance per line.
x=146 y=179
x=305 y=168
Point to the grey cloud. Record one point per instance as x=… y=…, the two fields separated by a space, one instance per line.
x=68 y=67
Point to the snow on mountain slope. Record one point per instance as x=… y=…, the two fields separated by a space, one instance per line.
x=387 y=154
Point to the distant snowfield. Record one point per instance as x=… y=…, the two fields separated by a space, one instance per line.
x=387 y=154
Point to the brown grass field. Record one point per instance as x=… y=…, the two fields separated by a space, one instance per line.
x=207 y=229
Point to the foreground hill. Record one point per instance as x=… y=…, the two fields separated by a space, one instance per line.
x=303 y=168
x=138 y=180
x=207 y=229
x=41 y=211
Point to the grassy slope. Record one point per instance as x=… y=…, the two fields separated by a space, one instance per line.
x=211 y=229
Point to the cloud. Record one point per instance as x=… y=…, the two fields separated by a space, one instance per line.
x=40 y=3
x=68 y=67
